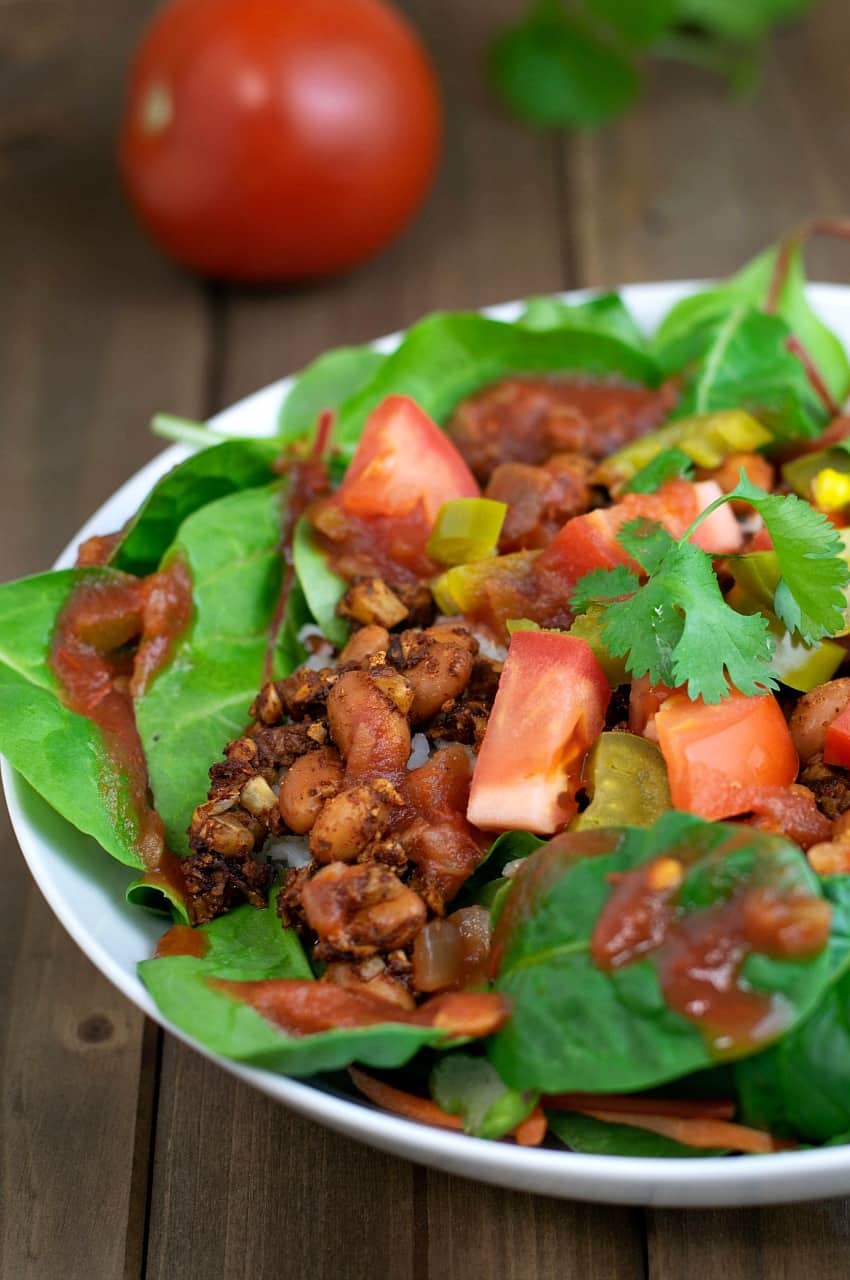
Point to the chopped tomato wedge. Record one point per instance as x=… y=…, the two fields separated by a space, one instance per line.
x=379 y=520
x=590 y=541
x=837 y=747
x=719 y=534
x=403 y=459
x=549 y=709
x=715 y=752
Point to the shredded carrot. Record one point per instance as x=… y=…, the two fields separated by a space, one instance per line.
x=403 y=1104
x=681 y=1108
x=697 y=1132
x=531 y=1131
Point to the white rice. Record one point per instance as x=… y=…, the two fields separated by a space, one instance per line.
x=294 y=851
x=419 y=752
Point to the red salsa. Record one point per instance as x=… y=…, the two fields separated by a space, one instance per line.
x=182 y=940
x=701 y=953
x=99 y=671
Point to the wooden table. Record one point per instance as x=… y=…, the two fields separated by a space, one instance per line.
x=123 y=1152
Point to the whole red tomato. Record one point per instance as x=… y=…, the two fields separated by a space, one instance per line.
x=278 y=139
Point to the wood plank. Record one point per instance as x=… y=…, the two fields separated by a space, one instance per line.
x=750 y=1244
x=477 y=1231
x=491 y=230
x=97 y=333
x=692 y=184
x=243 y=1187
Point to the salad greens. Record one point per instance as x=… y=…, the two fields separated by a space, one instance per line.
x=752 y=343
x=622 y=1035
x=448 y=356
x=471 y=1088
x=203 y=478
x=202 y=697
x=61 y=754
x=248 y=945
x=603 y=1138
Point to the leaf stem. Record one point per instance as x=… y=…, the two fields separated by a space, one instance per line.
x=186 y=431
x=821 y=390
x=838 y=228
x=706 y=512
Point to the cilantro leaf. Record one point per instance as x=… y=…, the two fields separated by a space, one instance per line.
x=669 y=464
x=602 y=584
x=647 y=541
x=809 y=598
x=678 y=629
x=645 y=631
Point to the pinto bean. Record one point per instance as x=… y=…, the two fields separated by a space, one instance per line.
x=360 y=910
x=312 y=780
x=372 y=734
x=814 y=713
x=438 y=676
x=351 y=821
x=364 y=644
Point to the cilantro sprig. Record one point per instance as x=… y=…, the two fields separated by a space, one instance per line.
x=676 y=626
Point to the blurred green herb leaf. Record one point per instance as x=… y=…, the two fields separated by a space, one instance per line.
x=576 y=63
x=552 y=69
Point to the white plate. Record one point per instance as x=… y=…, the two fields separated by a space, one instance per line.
x=85 y=888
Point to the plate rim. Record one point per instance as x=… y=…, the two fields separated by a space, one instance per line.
x=699 y=1182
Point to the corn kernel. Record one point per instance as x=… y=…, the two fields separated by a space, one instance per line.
x=831 y=490
x=665 y=873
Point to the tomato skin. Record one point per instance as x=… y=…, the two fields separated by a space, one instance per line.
x=380 y=518
x=837 y=747
x=590 y=541
x=549 y=709
x=273 y=140
x=714 y=753
x=403 y=459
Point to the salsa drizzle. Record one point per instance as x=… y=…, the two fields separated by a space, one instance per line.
x=93 y=658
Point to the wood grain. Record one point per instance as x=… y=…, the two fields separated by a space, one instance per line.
x=691 y=184
x=493 y=229
x=96 y=332
x=752 y=1244
x=694 y=182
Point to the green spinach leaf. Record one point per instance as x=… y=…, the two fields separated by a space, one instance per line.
x=506 y=848
x=606 y=313
x=603 y=1138
x=448 y=356
x=61 y=754
x=577 y=1027
x=204 y=477
x=200 y=700
x=801 y=1085
x=251 y=945
x=748 y=366
x=324 y=384
x=690 y=327
x=323 y=589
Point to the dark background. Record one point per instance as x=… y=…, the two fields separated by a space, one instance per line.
x=122 y=1152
